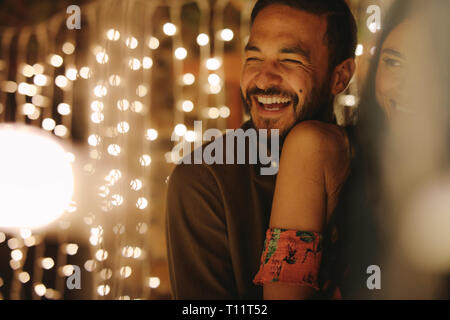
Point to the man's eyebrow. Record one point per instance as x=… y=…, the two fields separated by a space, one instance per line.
x=296 y=50
x=250 y=47
x=393 y=52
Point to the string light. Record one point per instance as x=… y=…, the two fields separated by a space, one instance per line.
x=123 y=104
x=68 y=48
x=180 y=53
x=169 y=29
x=226 y=35
x=188 y=79
x=151 y=134
x=202 y=39
x=41 y=80
x=180 y=129
x=27 y=70
x=153 y=43
x=154 y=282
x=213 y=64
x=113 y=34
x=71 y=73
x=55 y=60
x=147 y=62
x=38 y=68
x=145 y=160
x=85 y=72
x=114 y=80
x=141 y=203
x=61 y=81
x=47 y=263
x=187 y=106
x=102 y=57
x=131 y=42
x=63 y=109
x=214 y=79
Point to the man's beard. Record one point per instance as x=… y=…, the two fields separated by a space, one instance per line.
x=317 y=106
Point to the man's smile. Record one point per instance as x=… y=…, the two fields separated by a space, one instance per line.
x=271 y=105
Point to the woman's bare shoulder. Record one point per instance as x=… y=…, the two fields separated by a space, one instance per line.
x=310 y=136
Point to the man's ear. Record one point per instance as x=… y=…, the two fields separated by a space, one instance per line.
x=342 y=75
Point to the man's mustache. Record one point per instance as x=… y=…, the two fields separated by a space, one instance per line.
x=271 y=91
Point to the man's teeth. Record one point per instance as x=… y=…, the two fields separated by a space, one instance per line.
x=273 y=100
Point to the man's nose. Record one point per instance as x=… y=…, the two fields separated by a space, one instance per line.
x=268 y=77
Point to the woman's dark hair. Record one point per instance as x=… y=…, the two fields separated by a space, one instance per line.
x=341 y=34
x=357 y=223
x=372 y=121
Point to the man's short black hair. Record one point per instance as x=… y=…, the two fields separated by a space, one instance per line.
x=341 y=30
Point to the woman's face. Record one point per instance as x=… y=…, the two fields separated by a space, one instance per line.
x=393 y=70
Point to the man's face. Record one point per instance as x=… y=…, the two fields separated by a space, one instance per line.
x=285 y=77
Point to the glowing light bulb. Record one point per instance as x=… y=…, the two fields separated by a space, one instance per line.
x=114 y=80
x=134 y=64
x=48 y=190
x=153 y=43
x=71 y=74
x=123 y=104
x=131 y=42
x=94 y=140
x=85 y=72
x=123 y=127
x=48 y=124
x=226 y=35
x=187 y=106
x=145 y=160
x=154 y=282
x=151 y=134
x=100 y=91
x=97 y=105
x=61 y=81
x=61 y=131
x=141 y=90
x=68 y=48
x=213 y=64
x=224 y=112
x=137 y=106
x=102 y=57
x=97 y=117
x=141 y=203
x=214 y=79
x=213 y=113
x=56 y=60
x=27 y=70
x=169 y=29
x=147 y=62
x=202 y=39
x=180 y=130
x=28 y=109
x=125 y=272
x=114 y=150
x=136 y=184
x=40 y=80
x=40 y=289
x=188 y=79
x=359 y=50
x=180 y=53
x=63 y=109
x=38 y=68
x=47 y=263
x=113 y=35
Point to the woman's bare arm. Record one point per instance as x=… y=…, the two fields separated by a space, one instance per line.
x=313 y=161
